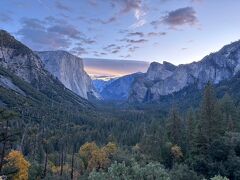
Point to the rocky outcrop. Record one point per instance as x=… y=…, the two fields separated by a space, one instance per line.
x=69 y=70
x=164 y=79
x=20 y=60
x=7 y=83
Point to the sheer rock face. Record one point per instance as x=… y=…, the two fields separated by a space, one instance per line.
x=164 y=79
x=69 y=70
x=21 y=61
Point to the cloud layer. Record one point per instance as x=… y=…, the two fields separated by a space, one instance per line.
x=178 y=17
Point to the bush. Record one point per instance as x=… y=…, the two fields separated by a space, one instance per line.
x=219 y=178
x=117 y=171
x=182 y=172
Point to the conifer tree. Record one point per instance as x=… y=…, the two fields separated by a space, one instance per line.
x=7 y=133
x=190 y=130
x=174 y=127
x=209 y=122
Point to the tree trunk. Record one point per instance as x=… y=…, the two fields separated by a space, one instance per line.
x=4 y=147
x=61 y=171
x=45 y=165
x=72 y=164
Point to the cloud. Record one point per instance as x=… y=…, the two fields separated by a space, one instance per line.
x=42 y=40
x=63 y=28
x=115 y=51
x=181 y=16
x=109 y=47
x=68 y=30
x=78 y=51
x=92 y=2
x=36 y=36
x=133 y=49
x=123 y=7
x=52 y=33
x=5 y=18
x=114 y=67
x=96 y=53
x=178 y=17
x=139 y=23
x=85 y=40
x=33 y=23
x=113 y=48
x=139 y=41
x=129 y=5
x=108 y=21
x=139 y=34
x=136 y=6
x=153 y=34
x=53 y=20
x=62 y=6
x=127 y=56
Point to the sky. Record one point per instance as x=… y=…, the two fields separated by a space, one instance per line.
x=177 y=31
x=107 y=69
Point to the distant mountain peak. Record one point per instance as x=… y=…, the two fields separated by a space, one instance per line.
x=164 y=79
x=169 y=66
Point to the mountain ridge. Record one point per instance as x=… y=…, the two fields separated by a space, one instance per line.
x=160 y=80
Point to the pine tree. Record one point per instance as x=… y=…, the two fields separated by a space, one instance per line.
x=228 y=113
x=7 y=133
x=209 y=123
x=174 y=128
x=190 y=130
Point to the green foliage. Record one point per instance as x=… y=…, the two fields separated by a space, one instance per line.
x=151 y=145
x=219 y=178
x=117 y=171
x=174 y=128
x=182 y=172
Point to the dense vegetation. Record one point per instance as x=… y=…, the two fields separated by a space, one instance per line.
x=49 y=138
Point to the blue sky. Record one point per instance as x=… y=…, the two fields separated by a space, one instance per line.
x=178 y=31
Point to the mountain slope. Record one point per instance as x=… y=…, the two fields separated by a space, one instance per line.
x=118 y=90
x=69 y=70
x=100 y=84
x=164 y=79
x=19 y=60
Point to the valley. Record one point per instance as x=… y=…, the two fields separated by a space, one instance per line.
x=171 y=122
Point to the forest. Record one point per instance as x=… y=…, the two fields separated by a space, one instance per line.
x=198 y=143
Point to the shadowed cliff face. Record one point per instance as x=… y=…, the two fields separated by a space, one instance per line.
x=19 y=59
x=164 y=79
x=22 y=72
x=69 y=70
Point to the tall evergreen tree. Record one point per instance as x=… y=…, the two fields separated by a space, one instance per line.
x=7 y=133
x=190 y=130
x=228 y=113
x=209 y=123
x=174 y=127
